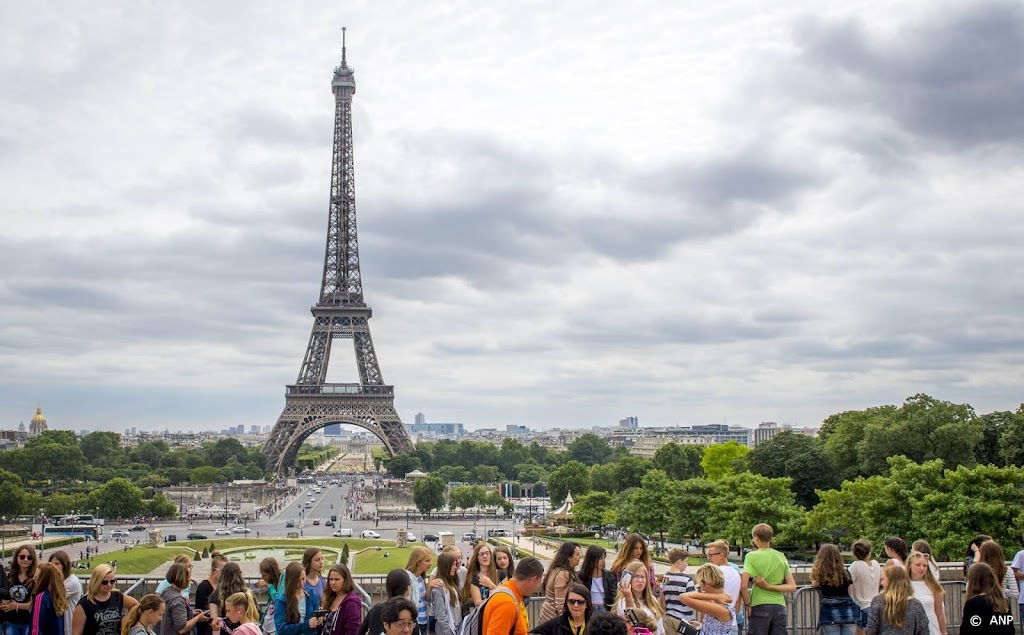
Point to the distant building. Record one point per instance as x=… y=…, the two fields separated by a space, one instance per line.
x=629 y=423
x=646 y=441
x=38 y=425
x=768 y=430
x=420 y=418
x=516 y=430
x=437 y=430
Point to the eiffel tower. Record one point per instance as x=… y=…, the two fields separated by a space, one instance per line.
x=341 y=312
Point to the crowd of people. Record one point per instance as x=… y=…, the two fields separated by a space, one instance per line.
x=487 y=594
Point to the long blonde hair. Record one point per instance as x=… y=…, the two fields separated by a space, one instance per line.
x=929 y=579
x=150 y=602
x=99 y=572
x=50 y=578
x=897 y=596
x=417 y=554
x=647 y=599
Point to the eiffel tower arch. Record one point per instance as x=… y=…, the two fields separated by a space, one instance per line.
x=340 y=313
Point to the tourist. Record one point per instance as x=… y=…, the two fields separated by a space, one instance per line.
x=445 y=598
x=986 y=611
x=101 y=610
x=838 y=614
x=313 y=563
x=504 y=563
x=294 y=611
x=396 y=584
x=928 y=590
x=673 y=584
x=634 y=547
x=50 y=601
x=178 y=615
x=270 y=575
x=718 y=555
x=417 y=566
x=599 y=580
x=769 y=571
x=481 y=577
x=606 y=624
x=17 y=611
x=505 y=612
x=186 y=560
x=206 y=589
x=561 y=573
x=719 y=617
x=399 y=616
x=230 y=583
x=866 y=574
x=635 y=593
x=922 y=546
x=972 y=550
x=72 y=586
x=237 y=610
x=575 y=614
x=143 y=617
x=992 y=554
x=896 y=550
x=895 y=611
x=344 y=606
x=1017 y=567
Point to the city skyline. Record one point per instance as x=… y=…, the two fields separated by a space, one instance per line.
x=685 y=213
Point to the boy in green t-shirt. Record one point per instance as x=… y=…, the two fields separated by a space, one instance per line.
x=769 y=569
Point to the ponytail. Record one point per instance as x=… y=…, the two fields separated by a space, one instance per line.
x=149 y=602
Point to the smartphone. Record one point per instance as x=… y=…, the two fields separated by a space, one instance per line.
x=627 y=576
x=319 y=614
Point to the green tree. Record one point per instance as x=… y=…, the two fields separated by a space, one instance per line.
x=594 y=508
x=220 y=452
x=692 y=503
x=589 y=449
x=446 y=452
x=799 y=457
x=629 y=471
x=117 y=498
x=66 y=438
x=993 y=424
x=744 y=500
x=653 y=503
x=485 y=474
x=1012 y=440
x=12 y=494
x=205 y=475
x=428 y=494
x=103 y=449
x=603 y=478
x=571 y=477
x=531 y=472
x=452 y=474
x=891 y=513
x=679 y=462
x=512 y=454
x=152 y=453
x=842 y=436
x=57 y=461
x=723 y=459
x=839 y=515
x=160 y=507
x=466 y=497
x=401 y=464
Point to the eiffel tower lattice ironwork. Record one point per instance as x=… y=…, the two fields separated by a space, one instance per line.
x=340 y=312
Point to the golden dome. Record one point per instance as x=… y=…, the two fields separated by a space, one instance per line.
x=39 y=418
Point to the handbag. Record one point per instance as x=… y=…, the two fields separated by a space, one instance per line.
x=686 y=628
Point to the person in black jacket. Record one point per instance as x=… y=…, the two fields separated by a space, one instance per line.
x=602 y=594
x=575 y=614
x=396 y=584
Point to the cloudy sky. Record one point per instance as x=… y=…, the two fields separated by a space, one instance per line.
x=569 y=212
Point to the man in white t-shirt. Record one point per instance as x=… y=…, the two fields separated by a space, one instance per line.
x=718 y=554
x=1017 y=567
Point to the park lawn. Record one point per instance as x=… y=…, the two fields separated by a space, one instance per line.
x=222 y=542
x=137 y=560
x=373 y=561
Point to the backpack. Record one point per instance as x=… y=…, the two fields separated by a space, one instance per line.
x=267 y=620
x=473 y=624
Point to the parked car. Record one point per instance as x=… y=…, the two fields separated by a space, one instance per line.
x=139 y=528
x=343 y=533
x=411 y=537
x=119 y=533
x=316 y=521
x=240 y=530
x=329 y=523
x=469 y=537
x=430 y=538
x=195 y=536
x=371 y=534
x=172 y=537
x=289 y=523
x=221 y=531
x=334 y=517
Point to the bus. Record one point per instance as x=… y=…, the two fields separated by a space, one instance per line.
x=89 y=532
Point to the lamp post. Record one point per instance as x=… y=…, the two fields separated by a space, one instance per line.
x=3 y=537
x=42 y=530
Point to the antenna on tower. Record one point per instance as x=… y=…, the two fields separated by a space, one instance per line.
x=343 y=64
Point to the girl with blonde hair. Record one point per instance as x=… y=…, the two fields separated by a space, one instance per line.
x=143 y=617
x=895 y=611
x=103 y=606
x=417 y=566
x=236 y=609
x=719 y=614
x=635 y=593
x=50 y=601
x=928 y=590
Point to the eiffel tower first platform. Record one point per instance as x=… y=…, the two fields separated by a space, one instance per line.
x=340 y=312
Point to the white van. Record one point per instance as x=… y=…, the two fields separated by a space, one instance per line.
x=343 y=533
x=371 y=534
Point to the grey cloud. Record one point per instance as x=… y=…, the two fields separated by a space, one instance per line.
x=276 y=128
x=955 y=77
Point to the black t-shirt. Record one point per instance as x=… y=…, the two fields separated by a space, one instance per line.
x=103 y=618
x=839 y=591
x=202 y=598
x=20 y=592
x=980 y=619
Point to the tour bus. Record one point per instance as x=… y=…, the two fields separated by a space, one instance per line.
x=89 y=532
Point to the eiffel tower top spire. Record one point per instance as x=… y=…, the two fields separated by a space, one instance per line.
x=343 y=64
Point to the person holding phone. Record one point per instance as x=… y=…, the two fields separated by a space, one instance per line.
x=178 y=617
x=719 y=615
x=341 y=601
x=236 y=610
x=635 y=593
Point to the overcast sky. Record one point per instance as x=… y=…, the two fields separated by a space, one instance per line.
x=569 y=212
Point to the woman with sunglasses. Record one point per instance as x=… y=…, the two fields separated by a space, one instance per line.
x=17 y=611
x=575 y=614
x=101 y=610
x=178 y=615
x=344 y=606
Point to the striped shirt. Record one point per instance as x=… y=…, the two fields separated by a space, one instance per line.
x=673 y=585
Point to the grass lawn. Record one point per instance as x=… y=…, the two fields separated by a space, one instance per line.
x=374 y=561
x=141 y=560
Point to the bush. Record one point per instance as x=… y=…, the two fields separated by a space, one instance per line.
x=206 y=553
x=344 y=554
x=197 y=556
